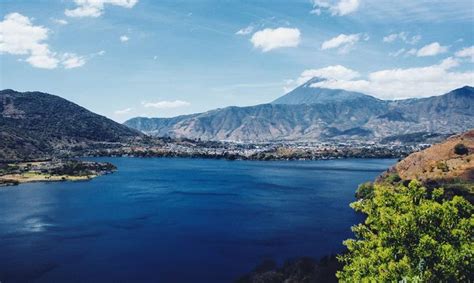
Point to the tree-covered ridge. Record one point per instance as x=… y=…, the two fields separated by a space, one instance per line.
x=411 y=234
x=36 y=125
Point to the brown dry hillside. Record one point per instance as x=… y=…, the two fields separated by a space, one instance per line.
x=452 y=159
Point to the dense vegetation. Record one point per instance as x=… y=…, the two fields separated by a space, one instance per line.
x=34 y=125
x=81 y=168
x=411 y=234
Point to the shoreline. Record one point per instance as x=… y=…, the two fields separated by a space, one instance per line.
x=17 y=179
x=263 y=156
x=52 y=171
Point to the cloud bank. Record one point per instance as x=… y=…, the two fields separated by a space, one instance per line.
x=395 y=83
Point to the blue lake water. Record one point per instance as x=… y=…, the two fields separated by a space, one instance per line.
x=178 y=220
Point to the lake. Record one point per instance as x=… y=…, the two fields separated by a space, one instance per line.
x=178 y=220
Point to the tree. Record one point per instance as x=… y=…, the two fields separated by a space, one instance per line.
x=410 y=235
x=461 y=149
x=365 y=190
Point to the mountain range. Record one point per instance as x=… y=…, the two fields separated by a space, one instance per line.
x=310 y=113
x=34 y=124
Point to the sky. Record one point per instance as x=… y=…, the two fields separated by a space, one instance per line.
x=128 y=58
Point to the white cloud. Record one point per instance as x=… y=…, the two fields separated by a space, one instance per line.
x=245 y=31
x=95 y=8
x=431 y=50
x=344 y=42
x=336 y=8
x=466 y=52
x=18 y=36
x=166 y=104
x=390 y=37
x=124 y=38
x=269 y=39
x=336 y=72
x=123 y=111
x=59 y=21
x=43 y=59
x=407 y=83
x=403 y=36
x=71 y=60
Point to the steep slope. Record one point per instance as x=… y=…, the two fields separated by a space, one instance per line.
x=451 y=159
x=440 y=115
x=309 y=113
x=35 y=124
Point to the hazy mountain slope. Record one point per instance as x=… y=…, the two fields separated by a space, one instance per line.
x=266 y=122
x=348 y=115
x=33 y=124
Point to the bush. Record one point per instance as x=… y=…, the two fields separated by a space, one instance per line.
x=393 y=178
x=461 y=149
x=410 y=235
x=441 y=165
x=365 y=191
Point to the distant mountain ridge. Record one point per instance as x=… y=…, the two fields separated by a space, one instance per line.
x=318 y=114
x=34 y=124
x=307 y=94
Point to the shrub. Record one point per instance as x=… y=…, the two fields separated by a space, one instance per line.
x=441 y=165
x=461 y=149
x=365 y=191
x=393 y=178
x=410 y=235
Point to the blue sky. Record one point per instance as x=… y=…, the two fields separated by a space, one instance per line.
x=126 y=58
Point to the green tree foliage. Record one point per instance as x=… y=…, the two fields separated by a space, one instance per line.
x=393 y=178
x=410 y=235
x=365 y=190
x=461 y=149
